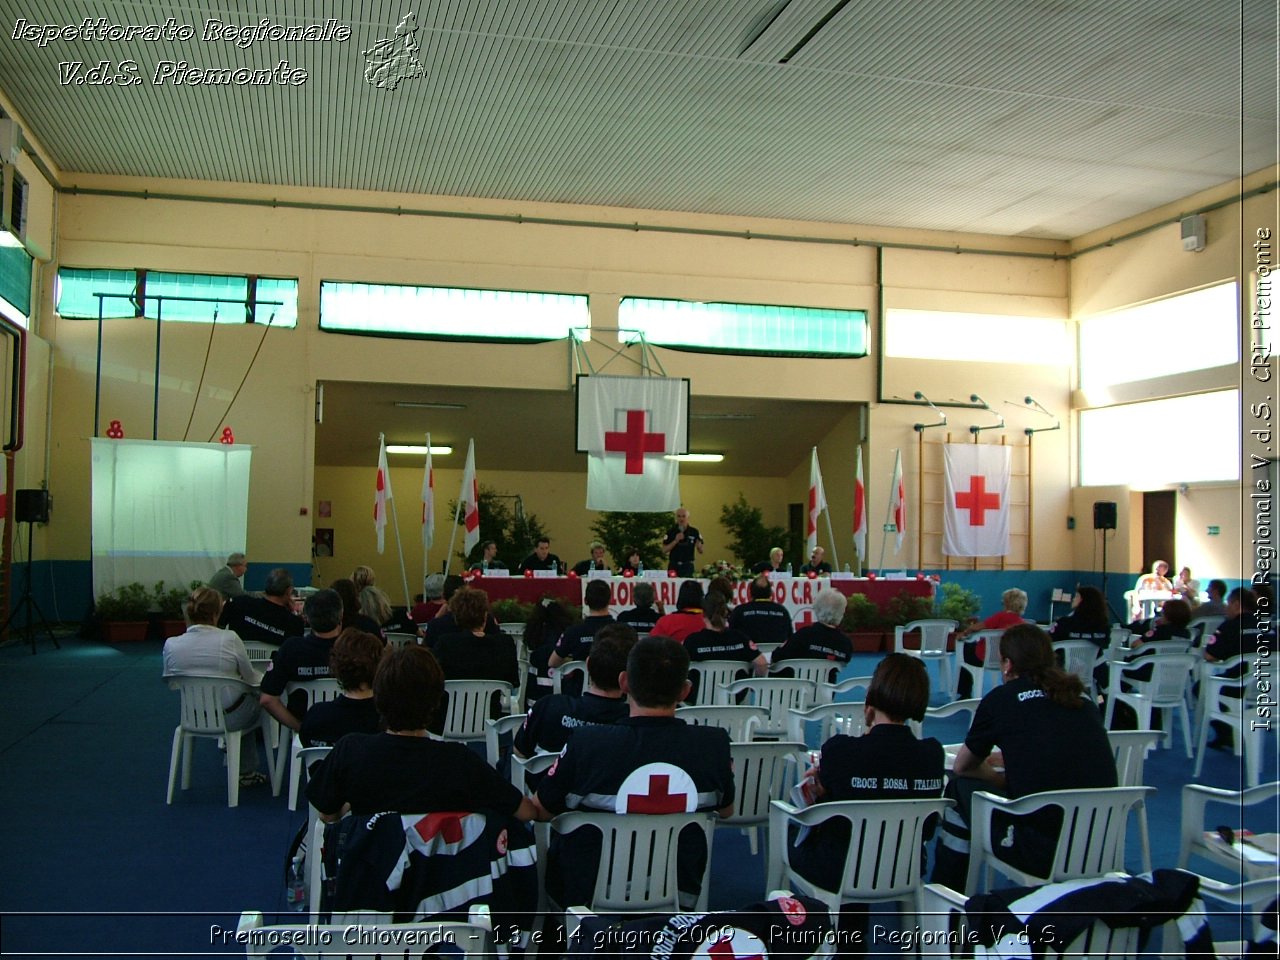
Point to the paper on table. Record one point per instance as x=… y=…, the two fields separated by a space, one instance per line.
x=1260 y=848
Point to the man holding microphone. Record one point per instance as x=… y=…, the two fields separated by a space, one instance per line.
x=680 y=542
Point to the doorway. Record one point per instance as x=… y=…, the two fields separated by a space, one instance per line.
x=1159 y=521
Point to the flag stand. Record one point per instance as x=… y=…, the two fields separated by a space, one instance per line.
x=831 y=538
x=888 y=517
x=453 y=537
x=395 y=525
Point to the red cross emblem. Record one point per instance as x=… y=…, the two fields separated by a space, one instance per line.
x=634 y=441
x=977 y=501
x=659 y=799
x=447 y=824
x=734 y=945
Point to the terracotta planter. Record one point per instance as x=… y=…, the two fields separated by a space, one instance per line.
x=871 y=641
x=172 y=628
x=124 y=631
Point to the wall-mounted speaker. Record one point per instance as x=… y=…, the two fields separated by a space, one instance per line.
x=1104 y=515
x=32 y=506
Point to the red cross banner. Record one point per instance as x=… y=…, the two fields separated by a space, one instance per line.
x=629 y=427
x=976 y=508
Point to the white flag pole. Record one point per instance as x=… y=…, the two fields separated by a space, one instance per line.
x=453 y=537
x=888 y=515
x=831 y=539
x=395 y=525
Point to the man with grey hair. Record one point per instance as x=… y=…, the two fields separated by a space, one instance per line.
x=595 y=562
x=823 y=639
x=268 y=618
x=227 y=580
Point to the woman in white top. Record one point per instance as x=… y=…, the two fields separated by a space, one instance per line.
x=206 y=650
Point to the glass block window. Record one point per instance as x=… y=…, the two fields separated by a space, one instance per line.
x=451 y=312
x=744 y=328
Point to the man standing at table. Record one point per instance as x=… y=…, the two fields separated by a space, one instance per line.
x=680 y=543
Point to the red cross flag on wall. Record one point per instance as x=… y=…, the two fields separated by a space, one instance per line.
x=976 y=506
x=628 y=427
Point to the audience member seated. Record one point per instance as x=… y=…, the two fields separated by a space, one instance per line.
x=352 y=662
x=488 y=558
x=471 y=653
x=553 y=719
x=886 y=763
x=723 y=586
x=227 y=580
x=760 y=618
x=816 y=564
x=547 y=623
x=1015 y=605
x=632 y=564
x=774 y=564
x=376 y=607
x=821 y=640
x=303 y=658
x=1050 y=737
x=268 y=618
x=431 y=602
x=362 y=577
x=1215 y=605
x=1187 y=588
x=1088 y=619
x=443 y=622
x=1169 y=627
x=206 y=650
x=576 y=640
x=687 y=617
x=616 y=768
x=643 y=615
x=1237 y=634
x=595 y=562
x=352 y=617
x=716 y=641
x=542 y=558
x=403 y=769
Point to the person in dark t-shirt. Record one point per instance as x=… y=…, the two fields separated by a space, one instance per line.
x=717 y=641
x=643 y=615
x=680 y=543
x=303 y=658
x=763 y=620
x=552 y=720
x=268 y=618
x=353 y=662
x=821 y=640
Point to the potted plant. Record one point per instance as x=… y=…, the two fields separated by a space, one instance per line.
x=169 y=603
x=123 y=613
x=512 y=615
x=956 y=603
x=864 y=623
x=904 y=608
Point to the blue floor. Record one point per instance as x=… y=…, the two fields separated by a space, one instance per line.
x=97 y=864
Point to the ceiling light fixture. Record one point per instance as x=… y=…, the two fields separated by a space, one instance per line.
x=695 y=457
x=429 y=405
x=437 y=450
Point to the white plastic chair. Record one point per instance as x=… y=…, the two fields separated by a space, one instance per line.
x=398 y=641
x=933 y=645
x=1079 y=657
x=494 y=730
x=302 y=758
x=201 y=715
x=316 y=691
x=739 y=720
x=469 y=703
x=845 y=716
x=846 y=685
x=945 y=712
x=1204 y=628
x=883 y=860
x=1129 y=747
x=1233 y=701
x=990 y=662
x=712 y=676
x=776 y=696
x=1195 y=799
x=942 y=906
x=1164 y=691
x=566 y=669
x=260 y=655
x=472 y=939
x=1090 y=841
x=514 y=630
x=1249 y=899
x=522 y=767
x=762 y=772
x=637 y=868
x=819 y=671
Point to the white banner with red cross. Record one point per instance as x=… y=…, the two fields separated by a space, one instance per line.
x=976 y=505
x=629 y=427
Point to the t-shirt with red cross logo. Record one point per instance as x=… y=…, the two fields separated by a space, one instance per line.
x=637 y=765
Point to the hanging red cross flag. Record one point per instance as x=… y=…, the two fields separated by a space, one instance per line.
x=976 y=510
x=629 y=427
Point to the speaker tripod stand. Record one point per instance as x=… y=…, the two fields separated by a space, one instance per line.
x=28 y=603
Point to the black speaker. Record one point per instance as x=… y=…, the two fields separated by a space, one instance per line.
x=1104 y=515
x=32 y=506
